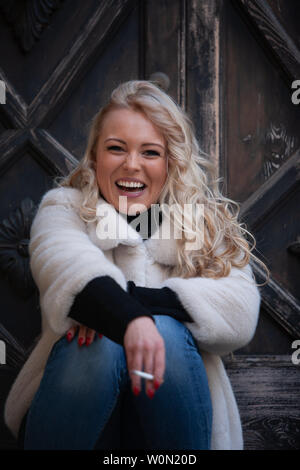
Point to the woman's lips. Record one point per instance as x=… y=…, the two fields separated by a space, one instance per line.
x=136 y=193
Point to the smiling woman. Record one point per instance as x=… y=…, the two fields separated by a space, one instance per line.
x=161 y=308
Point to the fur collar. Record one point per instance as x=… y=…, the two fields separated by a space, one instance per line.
x=111 y=229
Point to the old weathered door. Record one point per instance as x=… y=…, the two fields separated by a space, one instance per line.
x=260 y=149
x=230 y=64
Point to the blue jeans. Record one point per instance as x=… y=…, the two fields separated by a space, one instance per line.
x=85 y=401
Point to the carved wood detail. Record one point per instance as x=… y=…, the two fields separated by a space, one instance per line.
x=294 y=247
x=274 y=34
x=279 y=146
x=28 y=19
x=280 y=433
x=14 y=240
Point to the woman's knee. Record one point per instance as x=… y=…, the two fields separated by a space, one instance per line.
x=170 y=329
x=76 y=365
x=182 y=354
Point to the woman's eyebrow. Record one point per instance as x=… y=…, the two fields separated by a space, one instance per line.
x=146 y=143
x=153 y=143
x=114 y=138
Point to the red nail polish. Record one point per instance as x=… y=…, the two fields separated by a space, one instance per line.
x=156 y=384
x=88 y=341
x=136 y=390
x=69 y=337
x=80 y=341
x=150 y=393
x=100 y=335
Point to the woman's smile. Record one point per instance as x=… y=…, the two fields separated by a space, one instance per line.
x=130 y=189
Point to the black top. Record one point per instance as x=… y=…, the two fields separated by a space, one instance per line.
x=106 y=307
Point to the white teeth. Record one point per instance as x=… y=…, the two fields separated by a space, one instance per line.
x=130 y=185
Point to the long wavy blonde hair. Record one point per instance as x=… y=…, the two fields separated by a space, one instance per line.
x=190 y=180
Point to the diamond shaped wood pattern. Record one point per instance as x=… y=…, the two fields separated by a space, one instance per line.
x=69 y=71
x=14 y=255
x=28 y=19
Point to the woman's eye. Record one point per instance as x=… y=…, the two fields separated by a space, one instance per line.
x=152 y=153
x=115 y=148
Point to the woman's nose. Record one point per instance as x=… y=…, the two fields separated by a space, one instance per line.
x=132 y=160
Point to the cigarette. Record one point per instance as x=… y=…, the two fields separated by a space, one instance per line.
x=144 y=375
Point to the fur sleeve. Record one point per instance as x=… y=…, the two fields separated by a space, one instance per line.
x=225 y=311
x=62 y=257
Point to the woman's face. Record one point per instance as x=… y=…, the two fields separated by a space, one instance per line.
x=130 y=148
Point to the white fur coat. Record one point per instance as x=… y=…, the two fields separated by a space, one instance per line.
x=66 y=253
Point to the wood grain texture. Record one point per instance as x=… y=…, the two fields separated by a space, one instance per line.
x=267 y=390
x=202 y=62
x=162 y=30
x=277 y=37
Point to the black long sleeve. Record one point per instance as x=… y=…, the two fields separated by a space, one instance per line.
x=105 y=307
x=160 y=301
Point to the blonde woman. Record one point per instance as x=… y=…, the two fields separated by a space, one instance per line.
x=133 y=280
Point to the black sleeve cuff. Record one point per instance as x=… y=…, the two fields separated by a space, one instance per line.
x=161 y=301
x=107 y=308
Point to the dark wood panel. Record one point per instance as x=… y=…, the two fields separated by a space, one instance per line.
x=162 y=35
x=29 y=71
x=273 y=35
x=267 y=390
x=71 y=124
x=288 y=13
x=261 y=131
x=202 y=43
x=269 y=338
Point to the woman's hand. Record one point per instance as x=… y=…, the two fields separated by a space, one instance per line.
x=85 y=334
x=145 y=351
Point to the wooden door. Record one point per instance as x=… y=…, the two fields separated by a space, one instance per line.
x=260 y=149
x=60 y=59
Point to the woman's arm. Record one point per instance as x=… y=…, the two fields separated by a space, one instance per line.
x=224 y=311
x=161 y=301
x=62 y=257
x=105 y=307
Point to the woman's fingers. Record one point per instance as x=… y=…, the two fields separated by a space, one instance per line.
x=85 y=335
x=159 y=365
x=145 y=352
x=148 y=367
x=90 y=336
x=136 y=363
x=82 y=335
x=71 y=333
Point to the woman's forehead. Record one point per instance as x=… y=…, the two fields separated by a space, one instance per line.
x=125 y=122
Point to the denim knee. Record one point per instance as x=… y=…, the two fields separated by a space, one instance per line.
x=183 y=357
x=81 y=367
x=170 y=329
x=174 y=334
